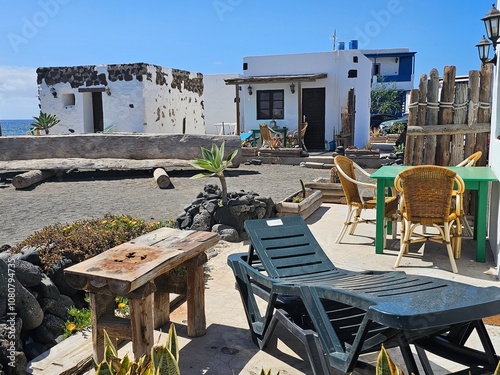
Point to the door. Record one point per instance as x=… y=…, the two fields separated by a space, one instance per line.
x=97 y=113
x=313 y=109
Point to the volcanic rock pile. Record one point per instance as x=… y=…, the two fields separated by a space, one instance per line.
x=207 y=213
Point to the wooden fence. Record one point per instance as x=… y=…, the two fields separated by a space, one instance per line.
x=445 y=131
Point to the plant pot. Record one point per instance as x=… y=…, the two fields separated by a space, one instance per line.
x=305 y=208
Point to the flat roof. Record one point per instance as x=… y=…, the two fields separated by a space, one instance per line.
x=277 y=78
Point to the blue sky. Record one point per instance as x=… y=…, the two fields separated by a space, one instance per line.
x=213 y=36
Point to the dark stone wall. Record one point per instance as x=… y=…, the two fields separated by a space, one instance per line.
x=87 y=75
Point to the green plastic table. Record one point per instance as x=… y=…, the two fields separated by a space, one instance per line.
x=475 y=178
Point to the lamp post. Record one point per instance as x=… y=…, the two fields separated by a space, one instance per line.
x=492 y=25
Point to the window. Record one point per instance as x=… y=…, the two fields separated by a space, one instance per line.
x=68 y=99
x=355 y=59
x=270 y=104
x=353 y=73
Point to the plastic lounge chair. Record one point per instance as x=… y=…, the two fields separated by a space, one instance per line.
x=339 y=314
x=270 y=138
x=427 y=192
x=356 y=199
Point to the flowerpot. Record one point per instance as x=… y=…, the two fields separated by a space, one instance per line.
x=304 y=208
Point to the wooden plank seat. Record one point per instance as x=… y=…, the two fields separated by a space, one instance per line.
x=138 y=271
x=340 y=314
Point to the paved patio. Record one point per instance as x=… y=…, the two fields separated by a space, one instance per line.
x=227 y=347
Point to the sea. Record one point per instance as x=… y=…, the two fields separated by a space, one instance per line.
x=15 y=127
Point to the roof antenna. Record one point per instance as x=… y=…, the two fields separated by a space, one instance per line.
x=334 y=38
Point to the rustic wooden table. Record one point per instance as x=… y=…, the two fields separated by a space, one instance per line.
x=137 y=270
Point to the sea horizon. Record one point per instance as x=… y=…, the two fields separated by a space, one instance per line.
x=15 y=126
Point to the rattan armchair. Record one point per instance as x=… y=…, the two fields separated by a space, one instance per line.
x=270 y=138
x=357 y=200
x=427 y=192
x=469 y=162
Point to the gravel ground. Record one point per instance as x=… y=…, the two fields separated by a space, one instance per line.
x=91 y=194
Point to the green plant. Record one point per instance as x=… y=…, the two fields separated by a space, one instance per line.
x=163 y=360
x=397 y=128
x=79 y=320
x=44 y=122
x=122 y=307
x=399 y=148
x=385 y=365
x=262 y=372
x=84 y=239
x=385 y=98
x=213 y=162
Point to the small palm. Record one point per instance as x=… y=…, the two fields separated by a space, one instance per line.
x=44 y=122
x=213 y=161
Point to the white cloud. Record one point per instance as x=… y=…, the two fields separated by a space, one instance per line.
x=18 y=92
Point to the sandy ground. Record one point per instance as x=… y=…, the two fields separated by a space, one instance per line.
x=91 y=194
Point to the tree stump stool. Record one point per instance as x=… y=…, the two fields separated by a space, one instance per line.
x=137 y=270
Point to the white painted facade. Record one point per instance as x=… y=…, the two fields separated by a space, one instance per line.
x=336 y=65
x=219 y=103
x=494 y=162
x=151 y=99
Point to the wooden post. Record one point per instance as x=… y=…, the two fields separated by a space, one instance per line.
x=24 y=180
x=142 y=325
x=162 y=301
x=432 y=115
x=470 y=139
x=162 y=178
x=484 y=110
x=418 y=158
x=459 y=117
x=100 y=305
x=196 y=301
x=412 y=120
x=445 y=115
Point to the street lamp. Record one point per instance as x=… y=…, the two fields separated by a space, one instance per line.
x=492 y=25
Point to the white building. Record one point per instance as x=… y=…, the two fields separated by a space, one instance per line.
x=139 y=97
x=310 y=86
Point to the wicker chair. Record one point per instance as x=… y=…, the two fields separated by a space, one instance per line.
x=293 y=136
x=469 y=162
x=270 y=138
x=357 y=201
x=427 y=192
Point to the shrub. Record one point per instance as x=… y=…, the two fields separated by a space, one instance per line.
x=86 y=238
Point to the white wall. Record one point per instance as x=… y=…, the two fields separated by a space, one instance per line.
x=336 y=64
x=168 y=106
x=219 y=101
x=494 y=162
x=138 y=98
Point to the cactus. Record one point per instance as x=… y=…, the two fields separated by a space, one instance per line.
x=164 y=359
x=303 y=189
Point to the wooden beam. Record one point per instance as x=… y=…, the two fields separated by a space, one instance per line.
x=448 y=129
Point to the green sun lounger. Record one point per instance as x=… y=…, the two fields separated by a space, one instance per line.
x=339 y=315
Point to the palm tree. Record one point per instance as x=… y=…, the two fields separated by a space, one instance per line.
x=44 y=122
x=213 y=162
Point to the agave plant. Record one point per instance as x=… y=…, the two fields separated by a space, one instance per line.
x=385 y=365
x=164 y=359
x=213 y=162
x=44 y=122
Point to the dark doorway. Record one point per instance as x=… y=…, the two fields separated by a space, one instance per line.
x=97 y=113
x=313 y=108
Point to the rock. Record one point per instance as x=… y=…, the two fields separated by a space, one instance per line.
x=15 y=361
x=202 y=221
x=56 y=274
x=31 y=254
x=27 y=308
x=28 y=274
x=4 y=276
x=34 y=349
x=50 y=329
x=226 y=232
x=47 y=288
x=57 y=307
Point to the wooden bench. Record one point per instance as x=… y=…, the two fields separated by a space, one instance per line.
x=138 y=271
